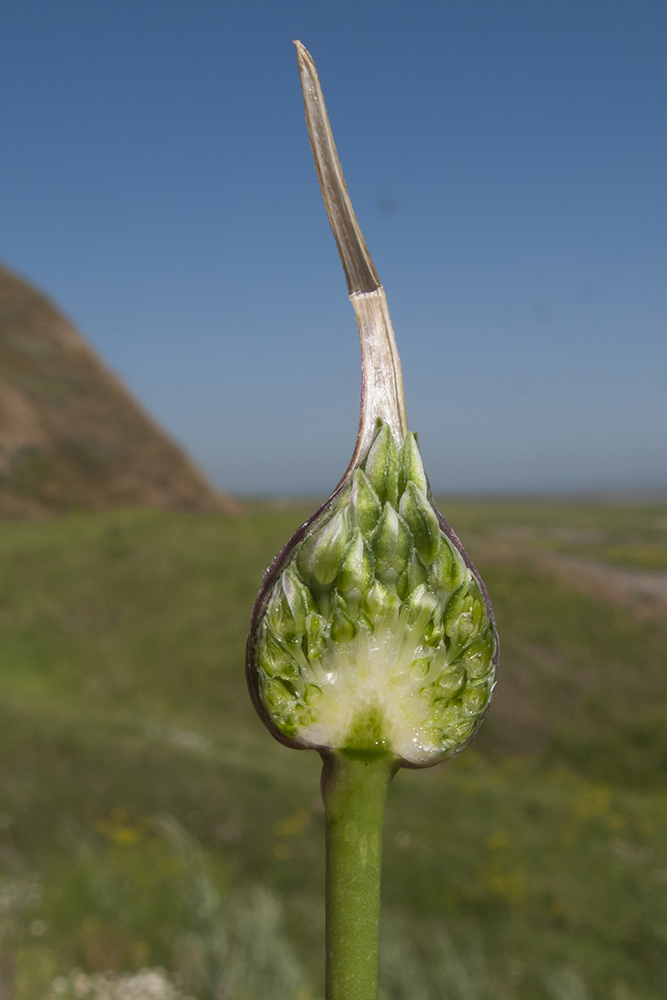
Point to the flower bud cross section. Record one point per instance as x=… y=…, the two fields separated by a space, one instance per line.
x=376 y=639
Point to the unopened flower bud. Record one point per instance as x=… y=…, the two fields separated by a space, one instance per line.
x=381 y=467
x=392 y=544
x=419 y=514
x=365 y=502
x=320 y=554
x=356 y=571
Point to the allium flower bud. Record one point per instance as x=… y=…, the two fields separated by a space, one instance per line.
x=358 y=644
x=373 y=633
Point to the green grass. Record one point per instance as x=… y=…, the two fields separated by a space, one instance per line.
x=123 y=701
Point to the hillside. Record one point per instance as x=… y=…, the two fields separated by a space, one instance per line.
x=71 y=436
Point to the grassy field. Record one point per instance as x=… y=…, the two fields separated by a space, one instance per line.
x=147 y=819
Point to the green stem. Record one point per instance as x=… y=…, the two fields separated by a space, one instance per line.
x=354 y=793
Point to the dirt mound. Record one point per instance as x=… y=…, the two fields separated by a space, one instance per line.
x=71 y=436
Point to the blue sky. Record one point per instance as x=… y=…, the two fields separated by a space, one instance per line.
x=506 y=160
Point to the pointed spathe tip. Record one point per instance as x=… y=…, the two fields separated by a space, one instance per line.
x=359 y=269
x=305 y=61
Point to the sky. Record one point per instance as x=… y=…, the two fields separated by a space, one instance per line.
x=506 y=160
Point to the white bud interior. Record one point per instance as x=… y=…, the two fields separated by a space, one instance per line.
x=374 y=672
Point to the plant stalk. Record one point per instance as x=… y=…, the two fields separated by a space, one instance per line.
x=354 y=792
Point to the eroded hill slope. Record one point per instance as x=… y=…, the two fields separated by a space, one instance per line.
x=71 y=436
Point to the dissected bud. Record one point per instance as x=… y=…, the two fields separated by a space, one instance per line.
x=405 y=637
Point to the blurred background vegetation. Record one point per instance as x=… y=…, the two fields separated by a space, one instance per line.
x=148 y=821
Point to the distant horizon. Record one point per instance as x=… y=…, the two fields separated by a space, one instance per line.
x=612 y=498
